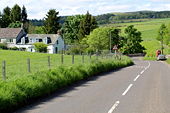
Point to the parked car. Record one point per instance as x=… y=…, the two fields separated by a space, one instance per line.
x=161 y=57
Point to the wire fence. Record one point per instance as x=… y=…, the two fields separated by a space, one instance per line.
x=12 y=69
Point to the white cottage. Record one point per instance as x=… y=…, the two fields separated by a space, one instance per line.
x=54 y=41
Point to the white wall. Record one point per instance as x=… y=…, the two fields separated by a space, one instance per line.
x=60 y=44
x=29 y=48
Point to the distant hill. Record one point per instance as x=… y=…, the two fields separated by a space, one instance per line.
x=119 y=17
x=40 y=22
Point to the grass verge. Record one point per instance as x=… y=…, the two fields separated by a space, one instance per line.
x=168 y=60
x=19 y=92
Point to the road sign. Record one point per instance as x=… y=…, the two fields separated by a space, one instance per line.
x=115 y=47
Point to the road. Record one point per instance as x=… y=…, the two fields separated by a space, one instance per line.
x=141 y=88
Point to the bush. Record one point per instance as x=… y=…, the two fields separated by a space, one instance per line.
x=40 y=47
x=18 y=92
x=14 y=48
x=3 y=46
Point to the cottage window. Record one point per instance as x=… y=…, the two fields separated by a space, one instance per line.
x=57 y=42
x=37 y=40
x=40 y=40
x=30 y=40
x=9 y=40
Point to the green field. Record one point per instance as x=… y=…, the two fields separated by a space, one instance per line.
x=16 y=62
x=149 y=29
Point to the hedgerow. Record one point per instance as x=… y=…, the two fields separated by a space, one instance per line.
x=19 y=92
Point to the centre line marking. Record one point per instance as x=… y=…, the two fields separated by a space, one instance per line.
x=114 y=107
x=142 y=72
x=127 y=89
x=136 y=78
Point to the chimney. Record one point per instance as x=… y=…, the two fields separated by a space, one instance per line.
x=59 y=32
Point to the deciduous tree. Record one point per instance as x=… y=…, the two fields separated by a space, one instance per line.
x=71 y=28
x=132 y=41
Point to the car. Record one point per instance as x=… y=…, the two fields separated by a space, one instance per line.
x=161 y=57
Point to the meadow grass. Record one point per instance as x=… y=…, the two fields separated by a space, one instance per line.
x=16 y=62
x=15 y=93
x=168 y=60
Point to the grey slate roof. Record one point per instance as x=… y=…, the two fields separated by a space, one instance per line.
x=8 y=33
x=53 y=37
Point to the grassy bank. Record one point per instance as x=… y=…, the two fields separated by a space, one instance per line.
x=20 y=91
x=168 y=60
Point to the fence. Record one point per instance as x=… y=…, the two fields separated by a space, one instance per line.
x=11 y=69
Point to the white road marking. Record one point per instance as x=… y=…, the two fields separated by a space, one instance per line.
x=136 y=78
x=125 y=92
x=114 y=107
x=127 y=89
x=142 y=72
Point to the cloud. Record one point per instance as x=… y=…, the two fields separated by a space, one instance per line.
x=38 y=9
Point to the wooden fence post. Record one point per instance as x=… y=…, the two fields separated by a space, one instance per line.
x=62 y=59
x=4 y=70
x=90 y=56
x=29 y=65
x=49 y=65
x=73 y=59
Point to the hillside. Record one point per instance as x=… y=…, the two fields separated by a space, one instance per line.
x=138 y=16
x=131 y=16
x=149 y=29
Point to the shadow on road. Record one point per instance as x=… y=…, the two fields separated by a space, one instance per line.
x=61 y=92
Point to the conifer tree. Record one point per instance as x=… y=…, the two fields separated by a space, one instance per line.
x=51 y=24
x=87 y=25
x=15 y=13
x=6 y=17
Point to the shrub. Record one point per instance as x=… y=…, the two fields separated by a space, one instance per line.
x=14 y=48
x=3 y=46
x=40 y=47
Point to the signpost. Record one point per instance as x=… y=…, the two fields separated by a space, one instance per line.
x=115 y=48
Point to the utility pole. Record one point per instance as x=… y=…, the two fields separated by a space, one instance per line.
x=162 y=42
x=110 y=42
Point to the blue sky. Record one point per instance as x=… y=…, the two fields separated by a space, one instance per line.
x=38 y=8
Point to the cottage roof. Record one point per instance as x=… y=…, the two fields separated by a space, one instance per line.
x=9 y=32
x=53 y=37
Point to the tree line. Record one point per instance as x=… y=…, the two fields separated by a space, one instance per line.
x=121 y=17
x=13 y=17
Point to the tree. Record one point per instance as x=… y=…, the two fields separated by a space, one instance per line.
x=99 y=39
x=40 y=47
x=87 y=25
x=16 y=24
x=24 y=14
x=24 y=19
x=1 y=23
x=6 y=17
x=132 y=40
x=15 y=13
x=51 y=23
x=71 y=28
x=163 y=36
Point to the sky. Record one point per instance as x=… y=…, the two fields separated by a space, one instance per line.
x=37 y=9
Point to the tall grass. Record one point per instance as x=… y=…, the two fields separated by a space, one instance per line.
x=20 y=91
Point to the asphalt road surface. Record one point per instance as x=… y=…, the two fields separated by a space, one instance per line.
x=141 y=88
